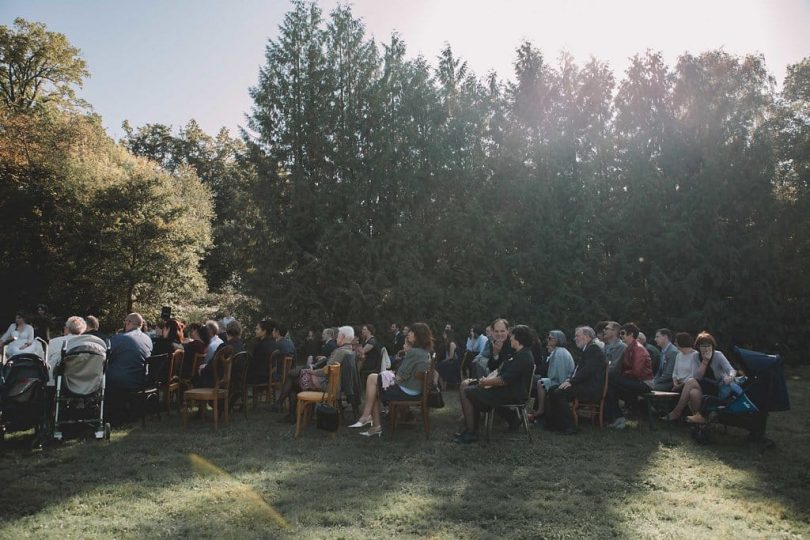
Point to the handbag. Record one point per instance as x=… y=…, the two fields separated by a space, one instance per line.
x=326 y=416
x=435 y=399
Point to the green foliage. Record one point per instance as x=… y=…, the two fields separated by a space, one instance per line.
x=388 y=190
x=37 y=66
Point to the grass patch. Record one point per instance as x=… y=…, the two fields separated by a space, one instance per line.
x=252 y=479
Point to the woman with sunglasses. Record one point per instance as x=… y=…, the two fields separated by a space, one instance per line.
x=714 y=370
x=560 y=366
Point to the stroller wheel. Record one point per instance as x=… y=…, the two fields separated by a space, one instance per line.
x=107 y=430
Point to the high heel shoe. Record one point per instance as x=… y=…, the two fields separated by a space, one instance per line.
x=362 y=423
x=372 y=433
x=696 y=418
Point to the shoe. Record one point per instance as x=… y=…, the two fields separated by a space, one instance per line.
x=696 y=418
x=362 y=423
x=466 y=438
x=619 y=423
x=372 y=433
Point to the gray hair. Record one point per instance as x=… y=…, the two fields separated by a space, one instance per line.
x=587 y=331
x=75 y=325
x=347 y=332
x=136 y=319
x=642 y=338
x=328 y=333
x=559 y=336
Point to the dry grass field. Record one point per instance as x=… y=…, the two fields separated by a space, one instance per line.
x=253 y=480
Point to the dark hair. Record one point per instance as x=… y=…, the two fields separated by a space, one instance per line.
x=267 y=325
x=705 y=337
x=600 y=326
x=631 y=328
x=204 y=333
x=175 y=330
x=683 y=339
x=523 y=334
x=665 y=332
x=22 y=315
x=370 y=328
x=477 y=330
x=423 y=337
x=282 y=329
x=234 y=329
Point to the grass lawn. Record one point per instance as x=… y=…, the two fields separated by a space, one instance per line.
x=252 y=479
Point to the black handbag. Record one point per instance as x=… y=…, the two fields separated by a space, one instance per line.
x=326 y=417
x=435 y=399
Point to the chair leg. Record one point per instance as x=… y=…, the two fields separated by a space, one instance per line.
x=227 y=410
x=216 y=414
x=299 y=417
x=525 y=418
x=426 y=421
x=184 y=412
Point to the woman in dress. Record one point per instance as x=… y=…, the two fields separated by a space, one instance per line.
x=404 y=385
x=19 y=337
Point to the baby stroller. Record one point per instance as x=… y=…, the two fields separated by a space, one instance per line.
x=765 y=391
x=80 y=386
x=23 y=397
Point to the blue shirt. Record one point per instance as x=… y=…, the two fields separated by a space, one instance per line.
x=128 y=351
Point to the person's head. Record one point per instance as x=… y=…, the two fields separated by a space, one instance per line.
x=610 y=332
x=264 y=328
x=599 y=328
x=705 y=344
x=406 y=329
x=628 y=333
x=420 y=336
x=19 y=318
x=367 y=331
x=583 y=335
x=500 y=330
x=328 y=334
x=345 y=335
x=133 y=321
x=683 y=340
x=394 y=328
x=42 y=309
x=173 y=330
x=556 y=338
x=476 y=331
x=75 y=325
x=233 y=329
x=279 y=331
x=213 y=327
x=488 y=331
x=642 y=338
x=522 y=336
x=204 y=334
x=663 y=337
x=447 y=336
x=92 y=323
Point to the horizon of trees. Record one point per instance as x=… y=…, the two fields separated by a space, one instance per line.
x=372 y=187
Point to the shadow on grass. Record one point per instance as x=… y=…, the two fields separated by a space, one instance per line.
x=599 y=483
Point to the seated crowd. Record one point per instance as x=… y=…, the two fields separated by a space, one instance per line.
x=506 y=365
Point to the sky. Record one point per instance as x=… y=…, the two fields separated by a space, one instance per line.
x=168 y=61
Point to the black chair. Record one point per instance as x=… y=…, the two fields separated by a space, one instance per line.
x=155 y=375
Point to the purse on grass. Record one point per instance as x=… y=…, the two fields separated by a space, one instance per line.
x=326 y=416
x=435 y=399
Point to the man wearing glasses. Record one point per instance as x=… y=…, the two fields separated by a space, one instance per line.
x=614 y=347
x=631 y=378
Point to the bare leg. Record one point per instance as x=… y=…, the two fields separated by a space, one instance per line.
x=686 y=397
x=375 y=414
x=541 y=399
x=468 y=409
x=371 y=396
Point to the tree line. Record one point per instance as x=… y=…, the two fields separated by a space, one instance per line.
x=370 y=186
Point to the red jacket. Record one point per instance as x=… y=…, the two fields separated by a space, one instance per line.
x=636 y=362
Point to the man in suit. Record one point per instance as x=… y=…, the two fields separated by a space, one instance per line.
x=586 y=383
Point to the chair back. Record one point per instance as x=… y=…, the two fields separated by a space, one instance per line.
x=239 y=370
x=333 y=386
x=223 y=368
x=176 y=365
x=156 y=370
x=531 y=384
x=427 y=384
x=274 y=366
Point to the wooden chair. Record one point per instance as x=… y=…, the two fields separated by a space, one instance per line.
x=394 y=406
x=308 y=398
x=239 y=371
x=172 y=384
x=222 y=367
x=466 y=365
x=187 y=375
x=594 y=410
x=285 y=365
x=519 y=408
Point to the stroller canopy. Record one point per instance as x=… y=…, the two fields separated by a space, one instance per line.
x=769 y=391
x=83 y=364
